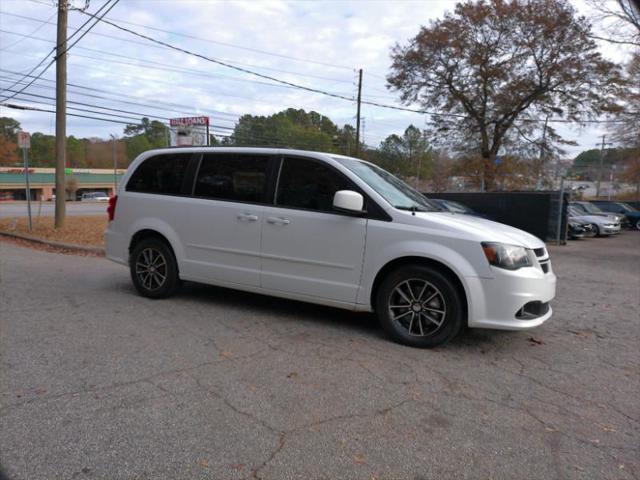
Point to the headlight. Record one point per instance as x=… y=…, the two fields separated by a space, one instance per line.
x=510 y=257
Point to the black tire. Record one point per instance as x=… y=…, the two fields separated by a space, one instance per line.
x=638 y=224
x=597 y=229
x=400 y=322
x=153 y=267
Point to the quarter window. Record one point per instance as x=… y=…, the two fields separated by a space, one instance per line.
x=309 y=185
x=163 y=174
x=240 y=178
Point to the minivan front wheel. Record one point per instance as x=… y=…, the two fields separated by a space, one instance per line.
x=153 y=267
x=419 y=306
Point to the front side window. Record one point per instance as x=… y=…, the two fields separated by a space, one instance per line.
x=239 y=178
x=309 y=185
x=163 y=174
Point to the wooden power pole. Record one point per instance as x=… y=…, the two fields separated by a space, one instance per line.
x=358 y=114
x=61 y=112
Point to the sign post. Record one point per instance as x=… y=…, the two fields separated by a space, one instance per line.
x=24 y=142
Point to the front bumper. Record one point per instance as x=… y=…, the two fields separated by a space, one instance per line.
x=497 y=302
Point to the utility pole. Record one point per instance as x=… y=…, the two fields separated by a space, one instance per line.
x=358 y=114
x=601 y=165
x=61 y=112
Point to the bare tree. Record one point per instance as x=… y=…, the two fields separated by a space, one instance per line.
x=619 y=21
x=496 y=68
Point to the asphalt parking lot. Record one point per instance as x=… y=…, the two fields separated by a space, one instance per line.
x=97 y=382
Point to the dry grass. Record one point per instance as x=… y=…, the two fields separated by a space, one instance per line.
x=87 y=230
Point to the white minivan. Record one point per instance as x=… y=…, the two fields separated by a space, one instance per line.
x=326 y=229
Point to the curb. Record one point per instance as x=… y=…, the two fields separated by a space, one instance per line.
x=67 y=246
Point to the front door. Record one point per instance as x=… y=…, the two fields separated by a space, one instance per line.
x=307 y=247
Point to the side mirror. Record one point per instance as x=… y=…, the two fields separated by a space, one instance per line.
x=348 y=201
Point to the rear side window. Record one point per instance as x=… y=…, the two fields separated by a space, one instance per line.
x=238 y=178
x=309 y=185
x=164 y=174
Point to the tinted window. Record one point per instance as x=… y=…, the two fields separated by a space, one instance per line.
x=163 y=174
x=309 y=185
x=240 y=178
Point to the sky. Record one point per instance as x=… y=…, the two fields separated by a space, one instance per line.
x=319 y=44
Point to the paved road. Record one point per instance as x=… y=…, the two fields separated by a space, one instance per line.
x=97 y=382
x=19 y=209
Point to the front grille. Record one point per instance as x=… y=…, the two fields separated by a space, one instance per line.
x=532 y=310
x=540 y=252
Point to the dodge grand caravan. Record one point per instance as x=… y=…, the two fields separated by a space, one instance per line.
x=326 y=229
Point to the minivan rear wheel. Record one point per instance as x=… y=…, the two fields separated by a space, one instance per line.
x=419 y=306
x=153 y=267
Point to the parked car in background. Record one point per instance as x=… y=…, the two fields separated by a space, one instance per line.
x=578 y=229
x=94 y=197
x=326 y=229
x=604 y=225
x=631 y=215
x=456 y=207
x=588 y=208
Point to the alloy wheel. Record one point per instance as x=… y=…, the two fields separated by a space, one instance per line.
x=151 y=269
x=418 y=307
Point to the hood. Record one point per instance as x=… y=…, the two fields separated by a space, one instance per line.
x=593 y=219
x=481 y=228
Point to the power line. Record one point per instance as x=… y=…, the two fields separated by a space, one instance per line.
x=30 y=35
x=120 y=95
x=43 y=22
x=37 y=109
x=97 y=20
x=138 y=114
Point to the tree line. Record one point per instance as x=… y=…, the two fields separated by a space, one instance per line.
x=493 y=76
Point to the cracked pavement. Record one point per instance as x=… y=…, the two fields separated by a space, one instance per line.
x=97 y=382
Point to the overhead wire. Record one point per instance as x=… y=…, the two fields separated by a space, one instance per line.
x=97 y=20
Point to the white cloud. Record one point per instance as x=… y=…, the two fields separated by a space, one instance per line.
x=337 y=37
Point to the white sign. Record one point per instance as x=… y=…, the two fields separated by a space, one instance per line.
x=24 y=140
x=189 y=131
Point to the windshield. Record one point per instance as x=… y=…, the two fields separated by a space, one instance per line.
x=627 y=207
x=392 y=189
x=590 y=207
x=574 y=212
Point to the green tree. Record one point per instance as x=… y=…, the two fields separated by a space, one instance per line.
x=497 y=66
x=407 y=156
x=293 y=128
x=43 y=148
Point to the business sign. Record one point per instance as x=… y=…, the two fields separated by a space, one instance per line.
x=24 y=140
x=189 y=131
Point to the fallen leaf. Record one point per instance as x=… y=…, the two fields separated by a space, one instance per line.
x=204 y=463
x=238 y=466
x=225 y=354
x=551 y=429
x=359 y=459
x=535 y=340
x=292 y=375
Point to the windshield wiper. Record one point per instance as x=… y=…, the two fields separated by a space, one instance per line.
x=412 y=209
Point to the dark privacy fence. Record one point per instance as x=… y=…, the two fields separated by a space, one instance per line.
x=533 y=212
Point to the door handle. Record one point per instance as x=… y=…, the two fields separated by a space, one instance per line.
x=247 y=216
x=278 y=220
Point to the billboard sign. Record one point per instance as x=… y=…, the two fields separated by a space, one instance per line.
x=189 y=131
